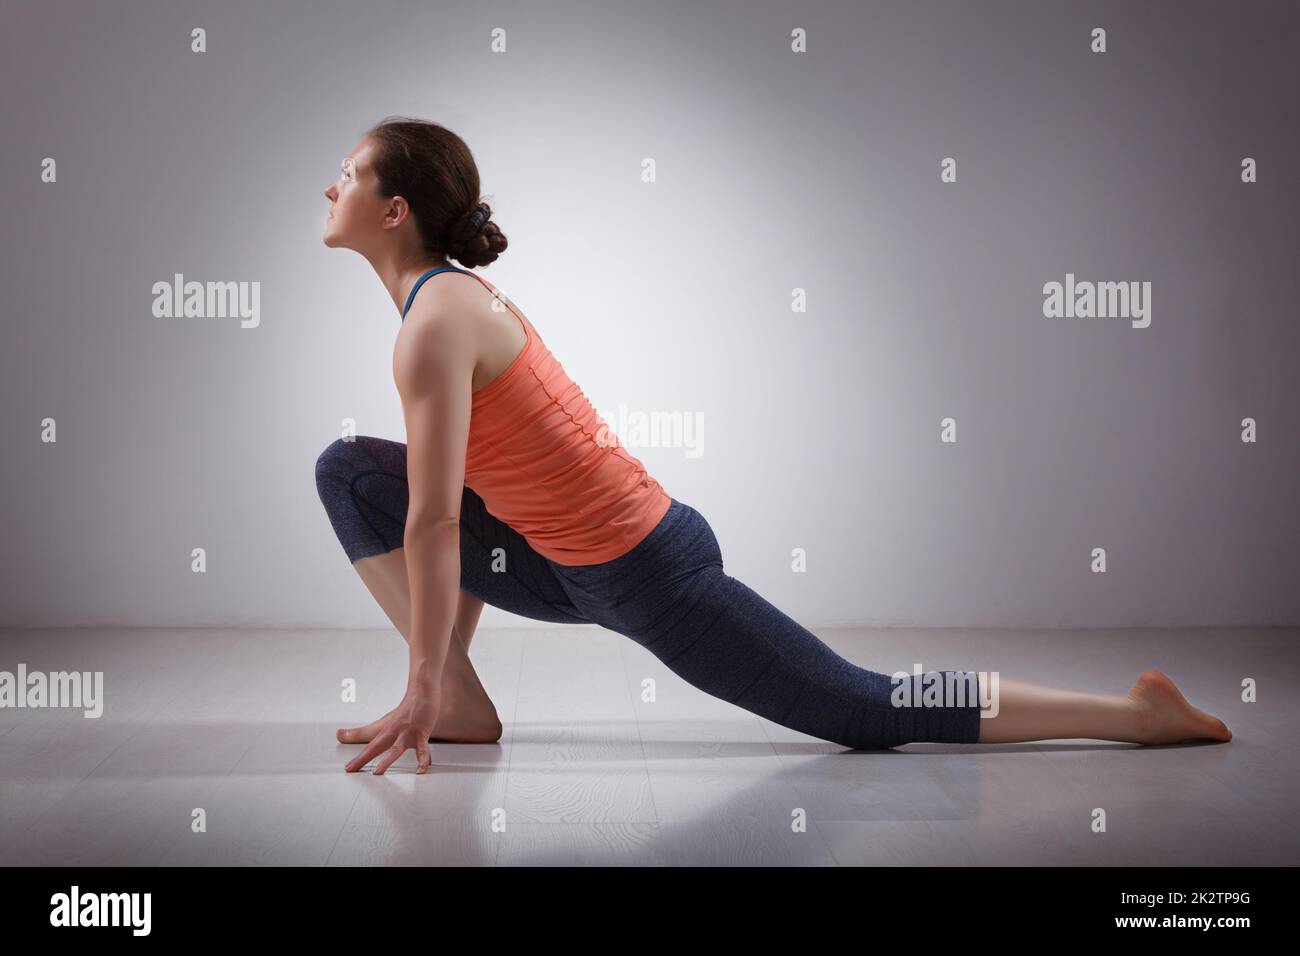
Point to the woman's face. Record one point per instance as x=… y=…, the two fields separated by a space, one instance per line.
x=357 y=213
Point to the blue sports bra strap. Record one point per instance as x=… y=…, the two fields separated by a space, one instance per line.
x=420 y=281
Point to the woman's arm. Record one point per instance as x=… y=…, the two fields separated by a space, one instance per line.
x=433 y=366
x=467 y=615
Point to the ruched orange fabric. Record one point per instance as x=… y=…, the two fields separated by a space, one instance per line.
x=545 y=463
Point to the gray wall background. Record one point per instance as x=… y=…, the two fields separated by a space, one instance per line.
x=775 y=171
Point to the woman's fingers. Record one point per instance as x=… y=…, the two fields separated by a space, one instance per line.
x=395 y=735
x=395 y=751
x=376 y=746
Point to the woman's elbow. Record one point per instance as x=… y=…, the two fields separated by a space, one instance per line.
x=425 y=527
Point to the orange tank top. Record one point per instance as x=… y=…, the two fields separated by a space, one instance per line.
x=545 y=463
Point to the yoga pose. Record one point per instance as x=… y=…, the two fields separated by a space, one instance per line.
x=511 y=491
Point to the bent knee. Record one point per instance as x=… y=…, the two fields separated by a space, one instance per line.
x=343 y=456
x=343 y=459
x=334 y=461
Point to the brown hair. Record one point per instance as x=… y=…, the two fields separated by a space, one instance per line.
x=433 y=170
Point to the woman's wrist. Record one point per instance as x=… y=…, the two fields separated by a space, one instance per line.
x=425 y=674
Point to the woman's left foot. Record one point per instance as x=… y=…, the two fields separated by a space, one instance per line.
x=468 y=716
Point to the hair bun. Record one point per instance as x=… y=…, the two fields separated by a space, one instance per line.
x=474 y=239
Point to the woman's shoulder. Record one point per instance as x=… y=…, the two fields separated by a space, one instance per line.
x=465 y=291
x=463 y=315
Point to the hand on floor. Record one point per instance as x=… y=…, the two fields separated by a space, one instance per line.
x=407 y=725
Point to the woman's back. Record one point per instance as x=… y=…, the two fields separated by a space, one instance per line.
x=543 y=460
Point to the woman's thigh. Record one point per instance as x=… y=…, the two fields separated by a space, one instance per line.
x=667 y=579
x=363 y=486
x=671 y=594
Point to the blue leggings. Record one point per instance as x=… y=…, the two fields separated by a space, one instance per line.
x=670 y=595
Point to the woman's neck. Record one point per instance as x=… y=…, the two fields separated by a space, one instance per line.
x=399 y=274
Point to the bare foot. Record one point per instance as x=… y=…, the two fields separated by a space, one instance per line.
x=1163 y=715
x=466 y=718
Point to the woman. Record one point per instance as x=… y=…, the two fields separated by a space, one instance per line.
x=512 y=492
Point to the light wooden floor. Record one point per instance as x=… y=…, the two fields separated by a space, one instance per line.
x=241 y=724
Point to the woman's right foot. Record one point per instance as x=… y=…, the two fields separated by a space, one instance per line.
x=1163 y=715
